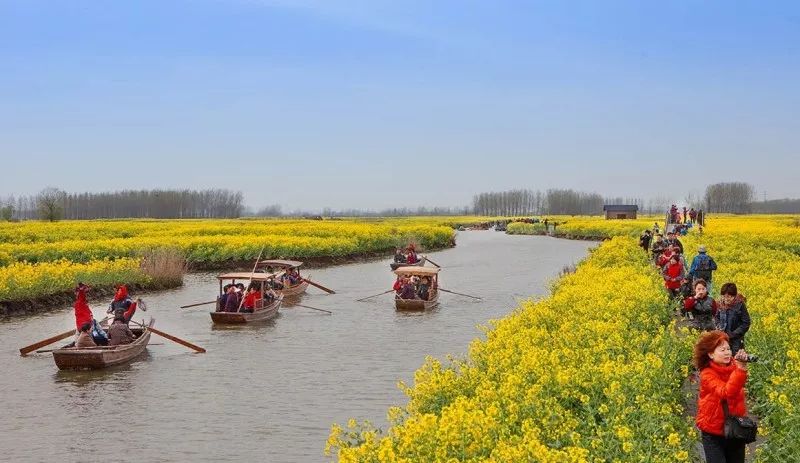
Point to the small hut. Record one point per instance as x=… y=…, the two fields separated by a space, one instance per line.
x=620 y=211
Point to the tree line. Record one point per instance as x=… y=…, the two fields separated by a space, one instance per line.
x=54 y=204
x=551 y=202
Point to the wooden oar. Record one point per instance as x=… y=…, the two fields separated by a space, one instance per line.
x=250 y=280
x=370 y=297
x=434 y=263
x=329 y=291
x=460 y=294
x=172 y=338
x=45 y=342
x=312 y=308
x=199 y=303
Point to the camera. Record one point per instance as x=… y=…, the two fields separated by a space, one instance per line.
x=750 y=358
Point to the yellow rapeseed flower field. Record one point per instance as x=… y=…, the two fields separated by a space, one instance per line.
x=40 y=258
x=593 y=373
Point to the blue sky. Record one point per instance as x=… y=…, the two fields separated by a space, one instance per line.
x=373 y=104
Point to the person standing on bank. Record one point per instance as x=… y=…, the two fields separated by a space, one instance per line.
x=644 y=240
x=722 y=378
x=732 y=316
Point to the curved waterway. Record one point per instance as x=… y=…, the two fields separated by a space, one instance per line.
x=266 y=392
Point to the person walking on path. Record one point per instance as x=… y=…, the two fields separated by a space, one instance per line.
x=701 y=306
x=673 y=240
x=703 y=267
x=732 y=316
x=673 y=275
x=722 y=379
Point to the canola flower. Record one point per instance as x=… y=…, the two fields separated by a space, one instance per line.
x=22 y=280
x=593 y=373
x=35 y=249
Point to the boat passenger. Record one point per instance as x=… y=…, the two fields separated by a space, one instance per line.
x=83 y=314
x=222 y=297
x=399 y=257
x=398 y=284
x=118 y=332
x=85 y=336
x=407 y=291
x=423 y=290
x=412 y=256
x=250 y=300
x=232 y=300
x=269 y=294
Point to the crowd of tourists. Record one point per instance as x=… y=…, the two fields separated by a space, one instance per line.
x=414 y=287
x=89 y=331
x=719 y=354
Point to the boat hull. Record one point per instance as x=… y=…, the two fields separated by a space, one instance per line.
x=94 y=358
x=236 y=318
x=416 y=304
x=295 y=290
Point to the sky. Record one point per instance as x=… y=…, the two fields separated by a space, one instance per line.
x=374 y=104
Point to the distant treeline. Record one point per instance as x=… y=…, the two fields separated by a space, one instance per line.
x=276 y=211
x=54 y=204
x=777 y=206
x=551 y=202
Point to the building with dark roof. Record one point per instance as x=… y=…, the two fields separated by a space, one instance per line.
x=620 y=211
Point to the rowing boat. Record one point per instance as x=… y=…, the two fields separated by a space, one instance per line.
x=433 y=294
x=97 y=357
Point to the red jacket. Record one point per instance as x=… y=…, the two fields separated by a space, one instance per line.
x=250 y=300
x=398 y=285
x=131 y=310
x=412 y=258
x=674 y=271
x=663 y=259
x=83 y=314
x=719 y=382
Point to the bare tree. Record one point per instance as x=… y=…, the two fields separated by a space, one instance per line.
x=732 y=197
x=50 y=204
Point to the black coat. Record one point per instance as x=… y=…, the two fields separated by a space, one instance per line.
x=735 y=321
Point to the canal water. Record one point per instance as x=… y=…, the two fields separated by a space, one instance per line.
x=267 y=392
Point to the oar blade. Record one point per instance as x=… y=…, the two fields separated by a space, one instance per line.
x=45 y=342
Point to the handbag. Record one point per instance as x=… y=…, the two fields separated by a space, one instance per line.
x=739 y=428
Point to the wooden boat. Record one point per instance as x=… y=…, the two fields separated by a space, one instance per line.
x=268 y=271
x=397 y=265
x=74 y=358
x=261 y=313
x=433 y=294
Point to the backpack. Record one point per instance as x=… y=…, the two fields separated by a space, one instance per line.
x=705 y=265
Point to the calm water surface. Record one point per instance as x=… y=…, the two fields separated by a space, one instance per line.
x=266 y=392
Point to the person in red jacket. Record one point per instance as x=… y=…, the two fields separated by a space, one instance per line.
x=673 y=275
x=722 y=377
x=83 y=314
x=251 y=299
